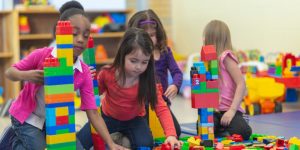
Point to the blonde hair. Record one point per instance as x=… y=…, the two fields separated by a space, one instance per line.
x=217 y=33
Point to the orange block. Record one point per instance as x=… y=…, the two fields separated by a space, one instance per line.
x=59 y=98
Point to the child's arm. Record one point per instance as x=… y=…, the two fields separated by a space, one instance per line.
x=236 y=75
x=176 y=74
x=163 y=113
x=26 y=69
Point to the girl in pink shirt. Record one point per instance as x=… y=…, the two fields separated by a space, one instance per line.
x=127 y=86
x=28 y=110
x=229 y=118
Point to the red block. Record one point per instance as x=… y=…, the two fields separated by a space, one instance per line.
x=64 y=27
x=98 y=142
x=205 y=100
x=202 y=77
x=208 y=52
x=210 y=119
x=236 y=147
x=280 y=143
x=212 y=84
x=62 y=120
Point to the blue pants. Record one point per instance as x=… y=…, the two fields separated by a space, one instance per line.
x=137 y=131
x=29 y=137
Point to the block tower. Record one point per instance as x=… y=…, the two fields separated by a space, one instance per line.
x=205 y=96
x=59 y=92
x=89 y=59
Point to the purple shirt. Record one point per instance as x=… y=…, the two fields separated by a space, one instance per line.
x=167 y=62
x=25 y=104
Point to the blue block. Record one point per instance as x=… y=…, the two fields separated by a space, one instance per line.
x=59 y=104
x=50 y=118
x=204 y=136
x=203 y=119
x=64 y=46
x=200 y=67
x=57 y=80
x=291 y=95
x=51 y=130
x=97 y=98
x=295 y=68
x=95 y=83
x=208 y=76
x=71 y=110
x=143 y=148
x=206 y=124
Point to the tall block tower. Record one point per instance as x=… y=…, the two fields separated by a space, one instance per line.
x=59 y=92
x=205 y=92
x=89 y=59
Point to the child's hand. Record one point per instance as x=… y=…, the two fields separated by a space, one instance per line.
x=92 y=71
x=34 y=76
x=174 y=142
x=227 y=117
x=171 y=91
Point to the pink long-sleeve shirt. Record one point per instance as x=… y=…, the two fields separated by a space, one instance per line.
x=25 y=103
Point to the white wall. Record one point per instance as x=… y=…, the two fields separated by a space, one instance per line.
x=268 y=25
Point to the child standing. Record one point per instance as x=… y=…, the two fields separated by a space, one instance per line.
x=127 y=86
x=229 y=117
x=28 y=110
x=164 y=60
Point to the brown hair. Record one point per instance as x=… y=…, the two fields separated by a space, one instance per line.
x=217 y=33
x=133 y=39
x=153 y=22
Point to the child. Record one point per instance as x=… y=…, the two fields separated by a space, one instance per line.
x=164 y=60
x=229 y=117
x=127 y=86
x=28 y=110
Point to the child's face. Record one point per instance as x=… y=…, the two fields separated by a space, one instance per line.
x=81 y=32
x=152 y=34
x=136 y=63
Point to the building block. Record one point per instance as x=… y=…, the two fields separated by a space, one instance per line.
x=208 y=52
x=64 y=39
x=212 y=84
x=52 y=130
x=61 y=111
x=61 y=138
x=61 y=98
x=55 y=80
x=64 y=28
x=59 y=89
x=205 y=100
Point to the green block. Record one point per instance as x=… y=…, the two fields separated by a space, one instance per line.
x=210 y=109
x=209 y=148
x=55 y=71
x=62 y=62
x=185 y=146
x=214 y=64
x=293 y=147
x=212 y=90
x=71 y=119
x=62 y=146
x=278 y=70
x=62 y=131
x=96 y=91
x=203 y=87
x=59 y=89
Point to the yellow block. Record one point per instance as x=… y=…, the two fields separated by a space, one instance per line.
x=66 y=53
x=60 y=138
x=206 y=65
x=204 y=130
x=64 y=39
x=211 y=136
x=154 y=124
x=62 y=111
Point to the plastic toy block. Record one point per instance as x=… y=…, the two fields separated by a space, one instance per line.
x=212 y=90
x=64 y=39
x=62 y=131
x=50 y=120
x=62 y=120
x=155 y=126
x=205 y=100
x=144 y=148
x=236 y=147
x=64 y=27
x=64 y=46
x=200 y=67
x=60 y=105
x=206 y=65
x=59 y=98
x=51 y=130
x=291 y=58
x=204 y=130
x=100 y=143
x=96 y=91
x=208 y=52
x=95 y=84
x=215 y=77
x=202 y=77
x=210 y=119
x=66 y=53
x=203 y=119
x=293 y=147
x=289 y=82
x=60 y=138
x=62 y=111
x=204 y=136
x=193 y=71
x=212 y=84
x=65 y=146
x=51 y=62
x=210 y=129
x=295 y=68
x=206 y=124
x=55 y=80
x=97 y=97
x=58 y=71
x=59 y=89
x=278 y=70
x=208 y=76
